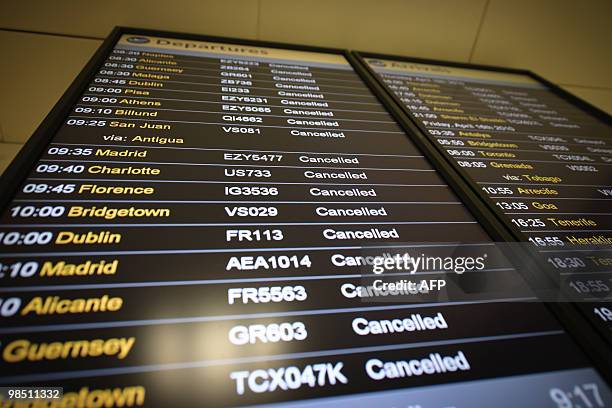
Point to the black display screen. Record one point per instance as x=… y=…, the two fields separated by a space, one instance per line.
x=197 y=231
x=539 y=160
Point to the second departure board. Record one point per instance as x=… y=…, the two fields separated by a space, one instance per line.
x=542 y=162
x=200 y=230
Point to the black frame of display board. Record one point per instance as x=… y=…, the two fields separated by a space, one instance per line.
x=18 y=170
x=600 y=349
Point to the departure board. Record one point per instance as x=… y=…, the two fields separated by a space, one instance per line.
x=200 y=231
x=540 y=161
